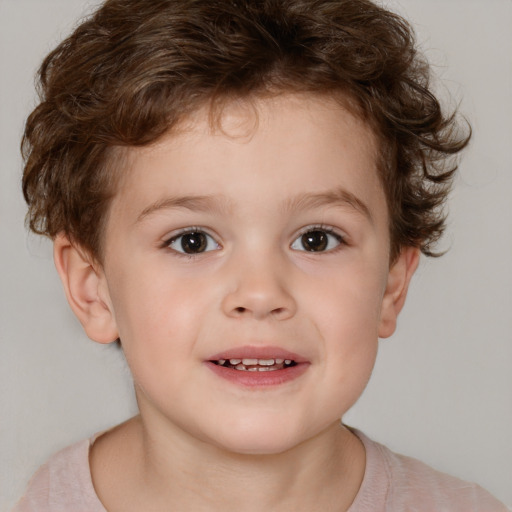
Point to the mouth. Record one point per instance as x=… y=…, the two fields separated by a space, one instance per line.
x=255 y=365
x=258 y=367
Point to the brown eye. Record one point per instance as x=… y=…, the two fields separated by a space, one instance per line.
x=314 y=241
x=193 y=242
x=317 y=240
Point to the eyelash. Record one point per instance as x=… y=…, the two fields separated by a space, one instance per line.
x=309 y=229
x=324 y=229
x=191 y=230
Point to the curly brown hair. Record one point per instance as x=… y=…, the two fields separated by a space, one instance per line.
x=135 y=68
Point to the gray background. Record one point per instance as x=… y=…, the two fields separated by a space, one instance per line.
x=441 y=390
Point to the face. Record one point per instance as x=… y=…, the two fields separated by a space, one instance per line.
x=247 y=269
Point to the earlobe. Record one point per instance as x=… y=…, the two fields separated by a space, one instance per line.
x=86 y=290
x=399 y=278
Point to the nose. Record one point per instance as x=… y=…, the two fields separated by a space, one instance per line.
x=259 y=290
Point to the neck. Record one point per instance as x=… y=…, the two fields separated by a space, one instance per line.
x=323 y=473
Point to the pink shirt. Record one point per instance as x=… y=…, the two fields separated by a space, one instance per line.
x=392 y=483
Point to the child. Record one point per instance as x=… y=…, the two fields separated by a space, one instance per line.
x=238 y=193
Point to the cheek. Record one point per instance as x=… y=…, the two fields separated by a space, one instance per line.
x=349 y=300
x=158 y=331
x=147 y=296
x=351 y=344
x=347 y=319
x=160 y=316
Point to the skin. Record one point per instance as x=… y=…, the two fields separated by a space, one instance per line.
x=276 y=169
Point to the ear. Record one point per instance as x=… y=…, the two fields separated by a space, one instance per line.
x=86 y=289
x=399 y=278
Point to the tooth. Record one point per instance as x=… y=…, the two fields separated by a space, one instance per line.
x=240 y=367
x=287 y=361
x=266 y=362
x=265 y=369
x=250 y=362
x=221 y=361
x=253 y=369
x=234 y=362
x=279 y=361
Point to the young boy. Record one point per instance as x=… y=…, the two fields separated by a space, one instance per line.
x=238 y=193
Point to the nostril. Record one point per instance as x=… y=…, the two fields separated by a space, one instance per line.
x=258 y=307
x=276 y=312
x=281 y=313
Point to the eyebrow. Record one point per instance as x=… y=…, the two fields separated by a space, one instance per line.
x=194 y=203
x=336 y=197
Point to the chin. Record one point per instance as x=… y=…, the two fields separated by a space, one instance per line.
x=258 y=439
x=260 y=446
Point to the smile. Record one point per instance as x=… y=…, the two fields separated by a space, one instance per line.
x=256 y=365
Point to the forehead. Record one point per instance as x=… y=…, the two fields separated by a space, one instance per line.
x=292 y=144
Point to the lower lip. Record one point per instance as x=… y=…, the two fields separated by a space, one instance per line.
x=258 y=379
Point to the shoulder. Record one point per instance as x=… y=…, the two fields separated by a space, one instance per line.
x=63 y=483
x=394 y=482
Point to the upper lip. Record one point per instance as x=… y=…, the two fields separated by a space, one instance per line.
x=258 y=352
